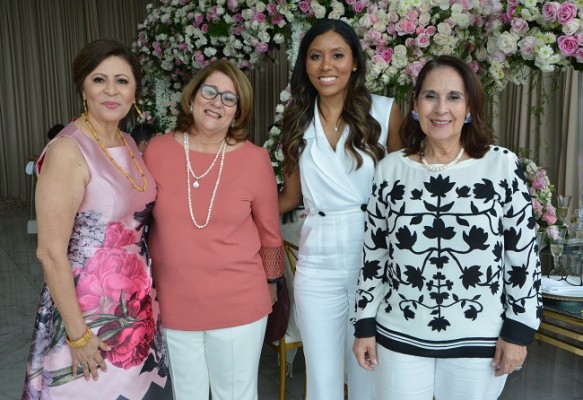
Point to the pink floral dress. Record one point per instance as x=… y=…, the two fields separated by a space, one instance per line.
x=111 y=266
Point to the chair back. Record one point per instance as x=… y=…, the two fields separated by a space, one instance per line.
x=291 y=252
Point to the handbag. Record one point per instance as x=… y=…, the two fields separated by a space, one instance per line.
x=279 y=317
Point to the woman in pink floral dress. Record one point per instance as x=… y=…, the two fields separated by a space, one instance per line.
x=96 y=333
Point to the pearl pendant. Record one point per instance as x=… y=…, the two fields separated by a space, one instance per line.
x=335 y=129
x=195 y=185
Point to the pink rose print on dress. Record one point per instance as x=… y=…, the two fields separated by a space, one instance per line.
x=106 y=276
x=117 y=236
x=131 y=335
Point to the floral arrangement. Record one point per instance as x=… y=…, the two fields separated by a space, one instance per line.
x=182 y=36
x=500 y=40
x=541 y=191
x=544 y=35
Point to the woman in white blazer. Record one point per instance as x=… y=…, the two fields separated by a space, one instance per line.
x=335 y=132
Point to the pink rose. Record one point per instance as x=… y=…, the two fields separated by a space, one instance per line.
x=117 y=236
x=130 y=343
x=537 y=208
x=568 y=45
x=527 y=45
x=358 y=6
x=579 y=55
x=387 y=55
x=108 y=275
x=412 y=15
x=549 y=215
x=304 y=6
x=539 y=183
x=261 y=47
x=549 y=11
x=423 y=40
x=566 y=12
x=519 y=26
x=405 y=27
x=430 y=30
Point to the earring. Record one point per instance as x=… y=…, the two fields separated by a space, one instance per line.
x=138 y=111
x=415 y=116
x=85 y=104
x=468 y=119
x=354 y=69
x=190 y=108
x=233 y=123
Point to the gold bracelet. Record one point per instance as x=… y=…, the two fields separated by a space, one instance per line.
x=82 y=341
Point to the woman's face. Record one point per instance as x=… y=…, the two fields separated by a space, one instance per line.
x=442 y=105
x=212 y=116
x=110 y=90
x=329 y=63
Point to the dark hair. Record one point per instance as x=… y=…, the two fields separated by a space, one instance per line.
x=476 y=136
x=364 y=129
x=243 y=89
x=143 y=132
x=55 y=129
x=90 y=56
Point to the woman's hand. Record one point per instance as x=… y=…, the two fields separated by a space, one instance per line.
x=365 y=350
x=508 y=358
x=88 y=358
x=272 y=292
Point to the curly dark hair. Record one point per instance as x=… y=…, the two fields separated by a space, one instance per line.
x=476 y=136
x=364 y=129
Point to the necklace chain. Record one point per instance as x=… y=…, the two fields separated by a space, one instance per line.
x=441 y=167
x=189 y=171
x=115 y=164
x=205 y=173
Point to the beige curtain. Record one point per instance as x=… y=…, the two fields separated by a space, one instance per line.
x=543 y=117
x=38 y=41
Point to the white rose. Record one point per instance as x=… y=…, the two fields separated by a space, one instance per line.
x=279 y=109
x=260 y=6
x=278 y=38
x=507 y=42
x=424 y=19
x=319 y=11
x=210 y=51
x=284 y=96
x=444 y=28
x=572 y=27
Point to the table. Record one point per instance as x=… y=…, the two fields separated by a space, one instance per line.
x=560 y=326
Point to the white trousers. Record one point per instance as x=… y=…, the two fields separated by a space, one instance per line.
x=325 y=304
x=404 y=377
x=226 y=361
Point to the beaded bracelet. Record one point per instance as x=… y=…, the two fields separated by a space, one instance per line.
x=82 y=341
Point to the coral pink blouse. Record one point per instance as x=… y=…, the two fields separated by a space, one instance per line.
x=215 y=277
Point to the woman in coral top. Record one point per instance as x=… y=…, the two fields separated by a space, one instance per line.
x=215 y=240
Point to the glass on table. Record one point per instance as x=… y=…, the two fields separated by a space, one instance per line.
x=563 y=202
x=557 y=241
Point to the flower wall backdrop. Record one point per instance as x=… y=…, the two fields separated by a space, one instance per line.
x=501 y=41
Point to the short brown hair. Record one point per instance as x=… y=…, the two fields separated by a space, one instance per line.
x=243 y=89
x=476 y=136
x=92 y=54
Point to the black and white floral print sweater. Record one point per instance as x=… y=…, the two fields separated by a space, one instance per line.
x=450 y=259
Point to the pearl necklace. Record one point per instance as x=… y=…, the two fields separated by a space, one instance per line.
x=189 y=171
x=440 y=167
x=199 y=177
x=115 y=164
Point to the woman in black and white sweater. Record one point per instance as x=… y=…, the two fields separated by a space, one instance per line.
x=449 y=287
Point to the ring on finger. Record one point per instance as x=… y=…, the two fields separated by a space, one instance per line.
x=82 y=365
x=518 y=368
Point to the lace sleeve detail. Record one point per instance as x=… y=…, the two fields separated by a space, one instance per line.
x=272 y=258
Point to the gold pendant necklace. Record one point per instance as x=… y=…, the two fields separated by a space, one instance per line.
x=115 y=164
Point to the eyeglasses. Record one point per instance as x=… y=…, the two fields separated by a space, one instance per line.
x=227 y=98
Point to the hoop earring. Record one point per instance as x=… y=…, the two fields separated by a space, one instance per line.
x=414 y=116
x=468 y=119
x=138 y=111
x=85 y=104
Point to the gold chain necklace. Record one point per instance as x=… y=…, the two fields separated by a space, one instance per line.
x=115 y=164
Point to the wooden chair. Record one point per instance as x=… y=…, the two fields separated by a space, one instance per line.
x=291 y=252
